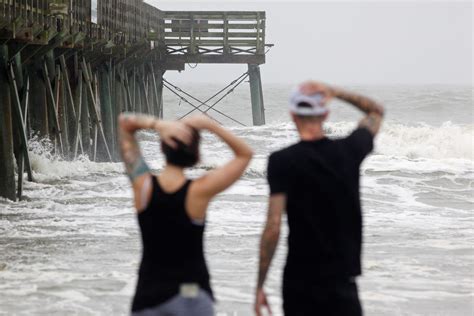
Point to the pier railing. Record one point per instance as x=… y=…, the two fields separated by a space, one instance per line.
x=33 y=20
x=129 y=22
x=122 y=22
x=214 y=32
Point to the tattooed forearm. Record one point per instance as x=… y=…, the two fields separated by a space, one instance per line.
x=363 y=103
x=372 y=122
x=268 y=246
x=135 y=165
x=270 y=236
x=374 y=111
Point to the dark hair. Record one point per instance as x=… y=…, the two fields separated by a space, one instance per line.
x=304 y=105
x=309 y=118
x=183 y=155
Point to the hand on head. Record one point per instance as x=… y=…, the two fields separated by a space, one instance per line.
x=181 y=130
x=172 y=131
x=199 y=122
x=314 y=87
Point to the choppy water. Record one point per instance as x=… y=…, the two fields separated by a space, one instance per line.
x=72 y=248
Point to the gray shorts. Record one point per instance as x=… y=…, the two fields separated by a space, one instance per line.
x=179 y=305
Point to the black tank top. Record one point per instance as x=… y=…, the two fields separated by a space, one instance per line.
x=172 y=249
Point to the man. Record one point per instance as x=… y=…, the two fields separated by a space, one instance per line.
x=317 y=182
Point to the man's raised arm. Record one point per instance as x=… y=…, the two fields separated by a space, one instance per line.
x=374 y=111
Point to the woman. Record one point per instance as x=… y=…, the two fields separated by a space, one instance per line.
x=173 y=277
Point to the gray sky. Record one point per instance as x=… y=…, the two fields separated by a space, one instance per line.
x=352 y=42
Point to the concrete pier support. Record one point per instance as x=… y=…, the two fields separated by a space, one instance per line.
x=7 y=167
x=256 y=94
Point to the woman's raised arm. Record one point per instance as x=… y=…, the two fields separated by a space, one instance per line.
x=224 y=176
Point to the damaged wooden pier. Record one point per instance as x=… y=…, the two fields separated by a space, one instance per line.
x=66 y=72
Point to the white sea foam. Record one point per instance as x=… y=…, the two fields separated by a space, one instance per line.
x=401 y=144
x=423 y=141
x=418 y=140
x=419 y=148
x=57 y=168
x=47 y=166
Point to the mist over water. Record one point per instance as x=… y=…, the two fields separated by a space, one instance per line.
x=73 y=248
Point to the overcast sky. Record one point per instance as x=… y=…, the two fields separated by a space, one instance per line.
x=352 y=42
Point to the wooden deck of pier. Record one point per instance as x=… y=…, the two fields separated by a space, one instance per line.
x=66 y=74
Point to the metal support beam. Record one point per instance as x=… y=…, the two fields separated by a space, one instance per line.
x=256 y=93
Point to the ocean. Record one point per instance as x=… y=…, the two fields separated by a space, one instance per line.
x=72 y=247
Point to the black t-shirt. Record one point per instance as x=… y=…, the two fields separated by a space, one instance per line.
x=321 y=182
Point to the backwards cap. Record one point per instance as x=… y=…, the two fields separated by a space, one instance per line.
x=313 y=104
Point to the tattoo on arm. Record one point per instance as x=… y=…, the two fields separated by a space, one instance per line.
x=135 y=165
x=269 y=242
x=374 y=111
x=363 y=103
x=372 y=122
x=268 y=246
x=139 y=168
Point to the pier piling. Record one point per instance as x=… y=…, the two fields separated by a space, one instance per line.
x=7 y=168
x=256 y=94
